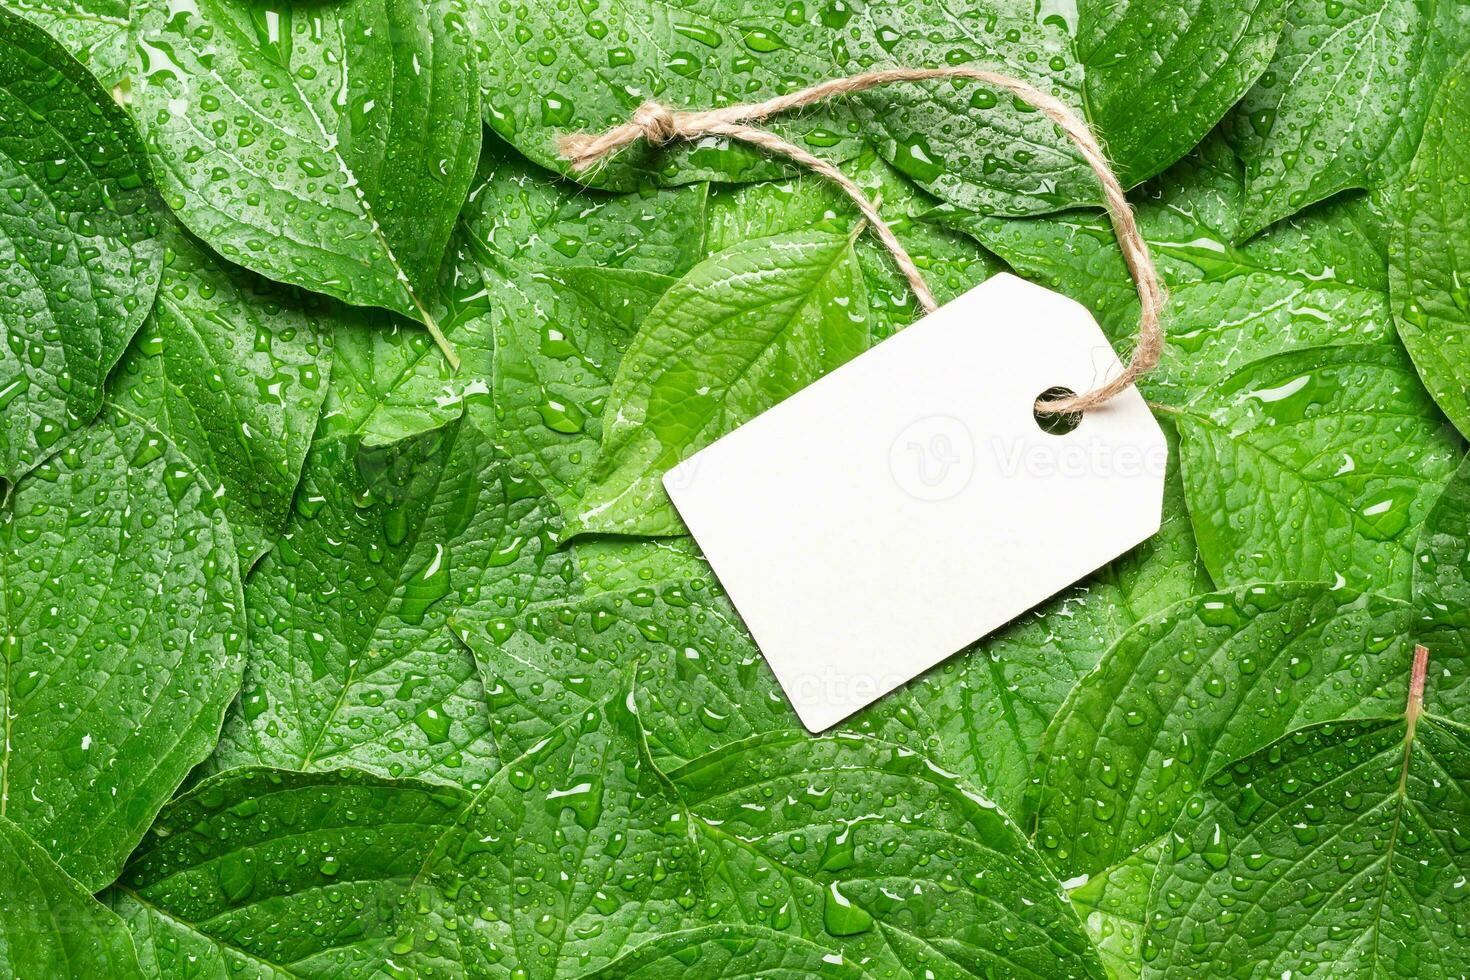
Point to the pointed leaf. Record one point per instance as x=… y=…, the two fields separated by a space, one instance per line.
x=950 y=261
x=741 y=331
x=1160 y=75
x=881 y=855
x=550 y=281
x=573 y=853
x=1431 y=252
x=329 y=146
x=52 y=927
x=1314 y=281
x=207 y=894
x=77 y=243
x=122 y=614
x=1197 y=687
x=1343 y=102
x=1318 y=464
x=1343 y=848
x=351 y=663
x=232 y=367
x=550 y=70
x=1113 y=907
x=1442 y=558
x=94 y=31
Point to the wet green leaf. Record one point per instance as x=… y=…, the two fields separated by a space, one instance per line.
x=1343 y=102
x=1207 y=682
x=1341 y=848
x=729 y=952
x=351 y=663
x=741 y=331
x=1160 y=75
x=1317 y=464
x=52 y=926
x=325 y=145
x=123 y=624
x=79 y=257
x=1113 y=907
x=233 y=368
x=1442 y=557
x=1430 y=284
x=574 y=853
x=950 y=261
x=94 y=31
x=702 y=682
x=1313 y=281
x=550 y=70
x=247 y=851
x=873 y=850
x=550 y=281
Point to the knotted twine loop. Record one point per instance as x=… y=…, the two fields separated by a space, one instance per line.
x=658 y=124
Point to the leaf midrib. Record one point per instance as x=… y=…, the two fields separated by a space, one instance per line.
x=332 y=145
x=409 y=552
x=714 y=830
x=702 y=419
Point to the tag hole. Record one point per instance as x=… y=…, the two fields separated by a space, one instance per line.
x=1057 y=423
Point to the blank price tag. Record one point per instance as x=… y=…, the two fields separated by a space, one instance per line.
x=908 y=503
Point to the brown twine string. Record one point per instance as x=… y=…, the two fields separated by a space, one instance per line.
x=658 y=124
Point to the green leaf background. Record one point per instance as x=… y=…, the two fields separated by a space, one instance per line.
x=333 y=651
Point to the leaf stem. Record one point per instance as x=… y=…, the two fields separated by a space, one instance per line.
x=433 y=325
x=1413 y=709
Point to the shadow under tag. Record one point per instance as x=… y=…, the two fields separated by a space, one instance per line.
x=909 y=503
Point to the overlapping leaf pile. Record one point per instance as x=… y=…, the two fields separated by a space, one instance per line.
x=347 y=631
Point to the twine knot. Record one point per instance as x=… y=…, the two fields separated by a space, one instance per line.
x=656 y=121
x=659 y=125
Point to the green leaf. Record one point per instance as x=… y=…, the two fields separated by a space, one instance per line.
x=1431 y=250
x=351 y=664
x=246 y=852
x=550 y=70
x=122 y=614
x=729 y=952
x=1343 y=102
x=1113 y=907
x=741 y=331
x=705 y=696
x=701 y=681
x=1317 y=464
x=1160 y=75
x=1442 y=556
x=328 y=146
x=229 y=368
x=52 y=927
x=952 y=263
x=1185 y=693
x=552 y=281
x=615 y=564
x=1343 y=847
x=77 y=244
x=575 y=852
x=94 y=31
x=1314 y=281
x=873 y=850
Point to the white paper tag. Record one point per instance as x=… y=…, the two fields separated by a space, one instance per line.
x=905 y=505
